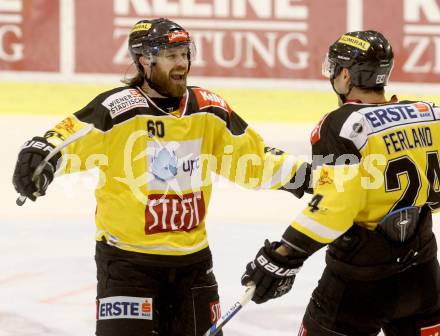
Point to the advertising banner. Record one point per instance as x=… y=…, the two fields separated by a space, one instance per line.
x=414 y=33
x=30 y=35
x=265 y=39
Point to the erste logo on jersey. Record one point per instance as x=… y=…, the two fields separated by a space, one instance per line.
x=206 y=99
x=124 y=307
x=387 y=116
x=124 y=101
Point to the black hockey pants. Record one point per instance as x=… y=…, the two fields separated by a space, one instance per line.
x=146 y=295
x=371 y=283
x=406 y=304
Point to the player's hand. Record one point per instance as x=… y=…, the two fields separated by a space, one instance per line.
x=300 y=182
x=272 y=273
x=30 y=156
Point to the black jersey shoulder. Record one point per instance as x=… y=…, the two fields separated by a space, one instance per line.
x=115 y=106
x=329 y=143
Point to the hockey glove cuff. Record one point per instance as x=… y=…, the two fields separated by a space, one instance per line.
x=30 y=156
x=272 y=273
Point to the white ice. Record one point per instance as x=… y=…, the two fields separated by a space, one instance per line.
x=47 y=278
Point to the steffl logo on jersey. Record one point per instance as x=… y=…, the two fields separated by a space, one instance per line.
x=174 y=212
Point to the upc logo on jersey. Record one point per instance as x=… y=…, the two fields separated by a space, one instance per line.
x=124 y=101
x=174 y=165
x=171 y=166
x=384 y=117
x=164 y=164
x=174 y=212
x=124 y=307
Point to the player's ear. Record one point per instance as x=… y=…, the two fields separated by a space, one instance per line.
x=144 y=61
x=346 y=74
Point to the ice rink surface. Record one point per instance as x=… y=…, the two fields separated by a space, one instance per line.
x=47 y=279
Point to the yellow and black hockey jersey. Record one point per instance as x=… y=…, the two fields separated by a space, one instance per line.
x=370 y=160
x=155 y=167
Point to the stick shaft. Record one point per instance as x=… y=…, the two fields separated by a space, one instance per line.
x=236 y=307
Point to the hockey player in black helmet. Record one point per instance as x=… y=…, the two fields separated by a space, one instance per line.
x=366 y=55
x=162 y=51
x=162 y=140
x=372 y=205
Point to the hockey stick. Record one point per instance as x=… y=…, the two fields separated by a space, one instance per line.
x=247 y=296
x=36 y=175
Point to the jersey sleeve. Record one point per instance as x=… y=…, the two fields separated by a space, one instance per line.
x=243 y=157
x=86 y=152
x=337 y=193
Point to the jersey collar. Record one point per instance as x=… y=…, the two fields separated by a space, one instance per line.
x=393 y=100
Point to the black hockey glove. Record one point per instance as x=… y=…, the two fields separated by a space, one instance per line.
x=300 y=182
x=29 y=157
x=272 y=273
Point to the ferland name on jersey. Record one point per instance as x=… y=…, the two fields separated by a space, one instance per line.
x=408 y=139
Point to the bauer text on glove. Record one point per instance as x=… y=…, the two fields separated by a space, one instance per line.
x=30 y=156
x=272 y=273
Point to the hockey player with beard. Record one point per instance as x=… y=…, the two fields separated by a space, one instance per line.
x=161 y=139
x=376 y=184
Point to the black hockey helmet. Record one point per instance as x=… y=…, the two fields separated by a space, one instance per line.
x=366 y=54
x=149 y=37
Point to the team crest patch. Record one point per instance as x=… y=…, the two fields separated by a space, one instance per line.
x=67 y=125
x=124 y=307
